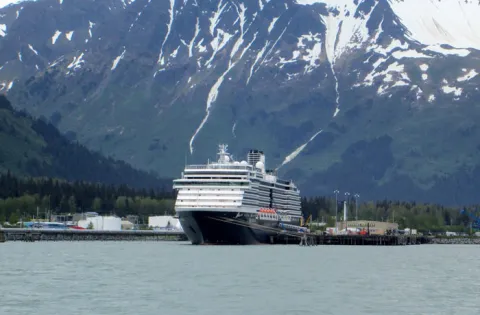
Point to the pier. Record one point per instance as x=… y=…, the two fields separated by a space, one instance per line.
x=304 y=239
x=37 y=235
x=353 y=240
x=377 y=240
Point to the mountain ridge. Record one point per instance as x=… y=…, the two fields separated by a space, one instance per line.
x=309 y=82
x=33 y=148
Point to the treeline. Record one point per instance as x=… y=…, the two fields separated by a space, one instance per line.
x=20 y=198
x=424 y=217
x=62 y=158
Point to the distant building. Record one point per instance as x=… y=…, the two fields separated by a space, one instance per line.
x=108 y=223
x=374 y=227
x=127 y=225
x=164 y=222
x=132 y=218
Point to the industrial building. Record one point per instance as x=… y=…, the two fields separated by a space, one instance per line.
x=127 y=225
x=108 y=223
x=373 y=227
x=164 y=222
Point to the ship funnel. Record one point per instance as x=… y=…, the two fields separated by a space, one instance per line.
x=256 y=158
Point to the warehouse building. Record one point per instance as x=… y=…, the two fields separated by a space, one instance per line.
x=164 y=222
x=107 y=223
x=374 y=227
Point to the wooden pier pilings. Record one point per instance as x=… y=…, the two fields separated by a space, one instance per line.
x=36 y=235
x=377 y=240
x=366 y=240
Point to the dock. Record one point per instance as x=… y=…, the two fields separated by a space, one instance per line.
x=352 y=240
x=376 y=240
x=54 y=235
x=304 y=239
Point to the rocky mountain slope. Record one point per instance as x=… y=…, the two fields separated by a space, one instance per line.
x=30 y=147
x=375 y=96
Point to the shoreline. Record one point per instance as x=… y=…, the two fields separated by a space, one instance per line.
x=455 y=240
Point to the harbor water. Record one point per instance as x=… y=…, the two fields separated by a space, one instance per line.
x=117 y=278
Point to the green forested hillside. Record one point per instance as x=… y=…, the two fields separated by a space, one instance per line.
x=33 y=147
x=25 y=198
x=425 y=217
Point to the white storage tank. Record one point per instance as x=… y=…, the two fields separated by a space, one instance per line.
x=111 y=223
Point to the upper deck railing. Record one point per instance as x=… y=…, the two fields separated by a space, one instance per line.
x=218 y=167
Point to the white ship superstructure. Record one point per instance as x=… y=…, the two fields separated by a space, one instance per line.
x=235 y=188
x=228 y=185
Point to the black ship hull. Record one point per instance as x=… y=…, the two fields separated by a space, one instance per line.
x=226 y=228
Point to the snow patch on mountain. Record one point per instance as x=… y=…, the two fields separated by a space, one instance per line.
x=125 y=3
x=32 y=49
x=298 y=150
x=171 y=11
x=217 y=44
x=400 y=54
x=117 y=60
x=440 y=22
x=257 y=59
x=69 y=35
x=468 y=75
x=76 y=62
x=450 y=51
x=216 y=16
x=192 y=42
x=55 y=37
x=448 y=89
x=272 y=25
x=344 y=31
x=4 y=3
x=90 y=27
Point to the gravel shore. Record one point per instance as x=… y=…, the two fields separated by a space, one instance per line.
x=456 y=240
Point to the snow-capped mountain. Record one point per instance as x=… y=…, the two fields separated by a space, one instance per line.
x=376 y=96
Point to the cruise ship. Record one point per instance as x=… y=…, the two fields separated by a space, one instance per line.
x=236 y=202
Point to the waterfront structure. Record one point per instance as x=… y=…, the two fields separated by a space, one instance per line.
x=164 y=222
x=373 y=227
x=101 y=223
x=127 y=225
x=236 y=202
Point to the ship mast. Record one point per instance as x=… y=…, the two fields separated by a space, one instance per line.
x=223 y=155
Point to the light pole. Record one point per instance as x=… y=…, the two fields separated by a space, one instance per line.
x=345 y=216
x=336 y=192
x=356 y=206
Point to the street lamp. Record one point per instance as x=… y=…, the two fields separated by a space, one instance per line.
x=345 y=216
x=336 y=192
x=356 y=206
x=346 y=196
